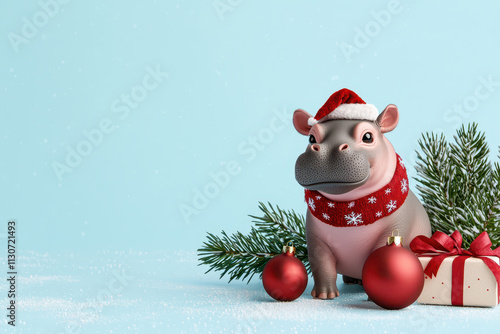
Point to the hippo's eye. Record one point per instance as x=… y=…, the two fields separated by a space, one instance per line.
x=368 y=138
x=312 y=140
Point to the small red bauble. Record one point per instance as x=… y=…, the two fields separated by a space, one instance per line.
x=284 y=276
x=393 y=277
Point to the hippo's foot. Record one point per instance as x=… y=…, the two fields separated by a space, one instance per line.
x=351 y=280
x=324 y=291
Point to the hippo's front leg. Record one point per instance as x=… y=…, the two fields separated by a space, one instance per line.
x=323 y=266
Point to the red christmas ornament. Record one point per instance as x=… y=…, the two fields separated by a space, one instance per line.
x=393 y=277
x=284 y=276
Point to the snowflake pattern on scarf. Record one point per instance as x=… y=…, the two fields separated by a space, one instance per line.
x=365 y=210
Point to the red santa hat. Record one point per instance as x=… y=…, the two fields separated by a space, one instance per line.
x=344 y=104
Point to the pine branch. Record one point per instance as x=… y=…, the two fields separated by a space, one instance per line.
x=458 y=184
x=242 y=256
x=492 y=222
x=434 y=183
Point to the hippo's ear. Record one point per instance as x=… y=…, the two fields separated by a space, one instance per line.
x=388 y=119
x=300 y=121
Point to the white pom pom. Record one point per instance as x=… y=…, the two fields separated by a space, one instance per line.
x=311 y=121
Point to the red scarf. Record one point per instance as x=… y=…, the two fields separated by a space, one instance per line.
x=365 y=210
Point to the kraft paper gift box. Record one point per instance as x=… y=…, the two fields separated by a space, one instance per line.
x=479 y=285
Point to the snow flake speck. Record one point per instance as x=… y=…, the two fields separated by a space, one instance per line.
x=327 y=217
x=351 y=204
x=311 y=204
x=391 y=206
x=378 y=214
x=353 y=218
x=318 y=197
x=404 y=186
x=372 y=200
x=331 y=204
x=388 y=191
x=401 y=163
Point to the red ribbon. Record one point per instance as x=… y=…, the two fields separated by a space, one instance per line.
x=441 y=246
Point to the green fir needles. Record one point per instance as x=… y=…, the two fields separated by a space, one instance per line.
x=458 y=184
x=242 y=256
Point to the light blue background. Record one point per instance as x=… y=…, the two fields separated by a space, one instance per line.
x=228 y=75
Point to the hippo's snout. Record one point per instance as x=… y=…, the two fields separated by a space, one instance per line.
x=336 y=170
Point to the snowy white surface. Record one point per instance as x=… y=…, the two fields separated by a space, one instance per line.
x=169 y=293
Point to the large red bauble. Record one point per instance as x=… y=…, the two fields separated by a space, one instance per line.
x=284 y=276
x=393 y=277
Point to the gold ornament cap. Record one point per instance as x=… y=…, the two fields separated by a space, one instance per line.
x=287 y=248
x=395 y=239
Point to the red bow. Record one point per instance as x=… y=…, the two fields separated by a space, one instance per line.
x=441 y=246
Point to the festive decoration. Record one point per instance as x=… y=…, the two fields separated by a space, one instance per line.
x=456 y=276
x=459 y=187
x=392 y=276
x=344 y=104
x=284 y=276
x=242 y=256
x=365 y=210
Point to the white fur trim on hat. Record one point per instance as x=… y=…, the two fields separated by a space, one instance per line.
x=311 y=121
x=353 y=111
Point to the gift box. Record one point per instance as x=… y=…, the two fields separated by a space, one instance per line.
x=479 y=286
x=456 y=276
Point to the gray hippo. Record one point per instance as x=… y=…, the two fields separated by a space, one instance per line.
x=356 y=188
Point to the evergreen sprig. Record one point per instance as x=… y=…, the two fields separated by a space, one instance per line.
x=459 y=185
x=242 y=256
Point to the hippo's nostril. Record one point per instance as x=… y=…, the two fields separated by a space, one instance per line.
x=315 y=147
x=343 y=147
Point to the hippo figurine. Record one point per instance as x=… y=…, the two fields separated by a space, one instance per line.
x=356 y=188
